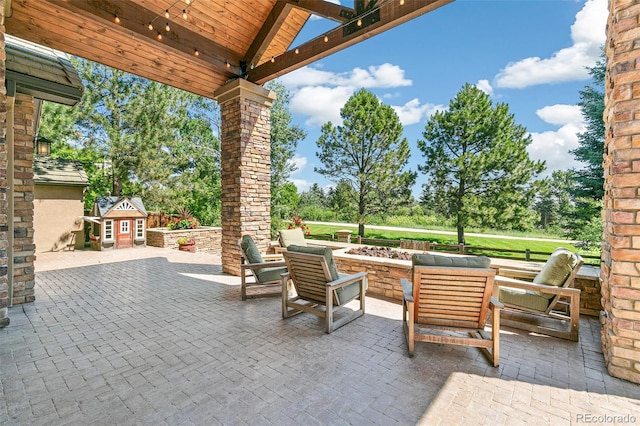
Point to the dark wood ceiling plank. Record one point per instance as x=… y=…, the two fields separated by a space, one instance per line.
x=325 y=9
x=392 y=14
x=267 y=33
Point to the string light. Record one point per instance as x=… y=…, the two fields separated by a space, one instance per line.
x=167 y=28
x=188 y=2
x=184 y=13
x=150 y=26
x=297 y=50
x=359 y=22
x=273 y=59
x=167 y=14
x=196 y=52
x=227 y=64
x=401 y=2
x=159 y=36
x=326 y=39
x=116 y=19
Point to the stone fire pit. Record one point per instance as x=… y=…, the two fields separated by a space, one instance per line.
x=385 y=252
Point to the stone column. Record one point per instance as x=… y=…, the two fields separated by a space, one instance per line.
x=246 y=167
x=23 y=187
x=4 y=282
x=620 y=274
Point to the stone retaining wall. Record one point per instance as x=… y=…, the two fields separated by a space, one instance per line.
x=384 y=278
x=208 y=238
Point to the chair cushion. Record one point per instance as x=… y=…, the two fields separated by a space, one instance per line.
x=557 y=269
x=322 y=251
x=291 y=236
x=426 y=259
x=524 y=298
x=349 y=292
x=250 y=249
x=269 y=274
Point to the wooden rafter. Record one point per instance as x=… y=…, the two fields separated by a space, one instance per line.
x=392 y=14
x=269 y=29
x=325 y=9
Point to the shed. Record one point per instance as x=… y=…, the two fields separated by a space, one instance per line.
x=118 y=222
x=58 y=204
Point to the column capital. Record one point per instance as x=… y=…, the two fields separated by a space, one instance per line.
x=240 y=88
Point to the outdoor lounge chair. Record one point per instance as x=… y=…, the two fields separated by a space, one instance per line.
x=451 y=295
x=267 y=275
x=295 y=236
x=319 y=288
x=548 y=305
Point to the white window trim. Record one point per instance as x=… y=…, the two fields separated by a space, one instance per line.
x=139 y=226
x=125 y=223
x=104 y=231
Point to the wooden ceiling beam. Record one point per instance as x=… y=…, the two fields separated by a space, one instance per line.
x=325 y=9
x=391 y=14
x=267 y=33
x=135 y=18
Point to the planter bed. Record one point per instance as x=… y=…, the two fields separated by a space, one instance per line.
x=207 y=238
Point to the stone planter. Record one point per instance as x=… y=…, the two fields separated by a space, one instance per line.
x=207 y=238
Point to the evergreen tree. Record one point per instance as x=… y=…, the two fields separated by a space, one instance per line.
x=476 y=158
x=367 y=153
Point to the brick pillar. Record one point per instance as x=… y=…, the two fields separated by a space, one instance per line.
x=246 y=167
x=23 y=187
x=620 y=274
x=4 y=282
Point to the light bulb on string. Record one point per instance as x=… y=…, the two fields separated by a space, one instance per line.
x=359 y=23
x=150 y=26
x=297 y=51
x=273 y=59
x=401 y=2
x=227 y=64
x=159 y=36
x=116 y=19
x=167 y=28
x=188 y=2
x=326 y=39
x=167 y=14
x=184 y=14
x=196 y=52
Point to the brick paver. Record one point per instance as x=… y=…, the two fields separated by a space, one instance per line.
x=166 y=340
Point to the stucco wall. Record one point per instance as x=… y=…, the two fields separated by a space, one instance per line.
x=57 y=215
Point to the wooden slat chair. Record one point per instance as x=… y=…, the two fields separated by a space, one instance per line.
x=450 y=295
x=319 y=288
x=267 y=274
x=548 y=305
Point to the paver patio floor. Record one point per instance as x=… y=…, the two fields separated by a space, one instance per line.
x=166 y=340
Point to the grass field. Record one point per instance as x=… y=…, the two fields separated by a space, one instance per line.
x=472 y=242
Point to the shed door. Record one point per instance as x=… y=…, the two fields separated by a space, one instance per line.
x=125 y=234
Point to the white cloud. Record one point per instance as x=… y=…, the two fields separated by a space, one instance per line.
x=485 y=86
x=554 y=146
x=412 y=112
x=298 y=162
x=560 y=114
x=568 y=64
x=301 y=184
x=321 y=94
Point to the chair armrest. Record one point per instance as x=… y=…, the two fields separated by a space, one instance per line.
x=285 y=276
x=407 y=289
x=341 y=282
x=262 y=265
x=525 y=285
x=495 y=303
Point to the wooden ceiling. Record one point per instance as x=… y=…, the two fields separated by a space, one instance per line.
x=214 y=42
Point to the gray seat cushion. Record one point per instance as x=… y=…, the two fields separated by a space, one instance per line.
x=556 y=270
x=524 y=298
x=270 y=274
x=426 y=259
x=253 y=256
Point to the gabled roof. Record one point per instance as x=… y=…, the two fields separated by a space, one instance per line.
x=56 y=171
x=42 y=72
x=107 y=204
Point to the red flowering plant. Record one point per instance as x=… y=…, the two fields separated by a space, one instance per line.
x=184 y=220
x=298 y=222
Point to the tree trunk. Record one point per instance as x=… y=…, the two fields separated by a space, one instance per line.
x=361 y=229
x=460 y=233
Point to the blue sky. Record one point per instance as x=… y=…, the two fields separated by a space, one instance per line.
x=530 y=54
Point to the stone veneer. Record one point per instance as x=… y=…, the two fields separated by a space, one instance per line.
x=23 y=187
x=4 y=281
x=207 y=238
x=621 y=242
x=246 y=167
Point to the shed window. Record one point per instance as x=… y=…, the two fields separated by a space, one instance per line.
x=139 y=229
x=124 y=227
x=108 y=230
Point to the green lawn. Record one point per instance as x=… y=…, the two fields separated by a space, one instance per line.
x=480 y=242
